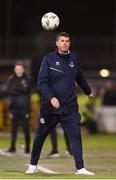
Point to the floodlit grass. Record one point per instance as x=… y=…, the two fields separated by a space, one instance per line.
x=99 y=156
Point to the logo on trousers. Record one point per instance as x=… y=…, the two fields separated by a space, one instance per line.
x=42 y=120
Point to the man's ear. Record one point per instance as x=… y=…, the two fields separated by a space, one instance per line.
x=56 y=43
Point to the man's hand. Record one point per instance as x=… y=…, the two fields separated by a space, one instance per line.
x=55 y=102
x=91 y=96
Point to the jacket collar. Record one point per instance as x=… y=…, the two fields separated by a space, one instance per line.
x=15 y=76
x=64 y=56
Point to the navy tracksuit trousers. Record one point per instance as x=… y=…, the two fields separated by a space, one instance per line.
x=53 y=136
x=71 y=124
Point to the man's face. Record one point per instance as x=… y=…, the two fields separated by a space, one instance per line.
x=19 y=70
x=63 y=44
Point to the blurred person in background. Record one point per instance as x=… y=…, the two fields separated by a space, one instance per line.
x=18 y=87
x=86 y=109
x=109 y=98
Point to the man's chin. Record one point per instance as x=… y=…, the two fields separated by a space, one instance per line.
x=65 y=52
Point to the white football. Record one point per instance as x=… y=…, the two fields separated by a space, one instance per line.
x=50 y=21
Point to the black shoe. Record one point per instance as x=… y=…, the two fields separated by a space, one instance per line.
x=11 y=150
x=53 y=154
x=27 y=150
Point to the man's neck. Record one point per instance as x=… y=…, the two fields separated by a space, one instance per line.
x=63 y=52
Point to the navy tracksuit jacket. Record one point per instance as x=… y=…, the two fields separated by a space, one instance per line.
x=57 y=77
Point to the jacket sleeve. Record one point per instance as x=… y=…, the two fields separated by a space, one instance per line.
x=43 y=80
x=80 y=79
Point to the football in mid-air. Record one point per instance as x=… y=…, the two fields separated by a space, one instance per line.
x=50 y=21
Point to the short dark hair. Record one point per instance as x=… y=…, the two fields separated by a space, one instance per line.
x=62 y=34
x=20 y=63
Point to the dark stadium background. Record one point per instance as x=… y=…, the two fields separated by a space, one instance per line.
x=91 y=23
x=92 y=26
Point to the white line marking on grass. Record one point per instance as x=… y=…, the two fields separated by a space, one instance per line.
x=3 y=153
x=45 y=170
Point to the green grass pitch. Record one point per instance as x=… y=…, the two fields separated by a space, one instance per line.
x=99 y=156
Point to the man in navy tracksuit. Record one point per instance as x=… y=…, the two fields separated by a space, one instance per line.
x=59 y=72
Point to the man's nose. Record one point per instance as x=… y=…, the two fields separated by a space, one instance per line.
x=65 y=44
